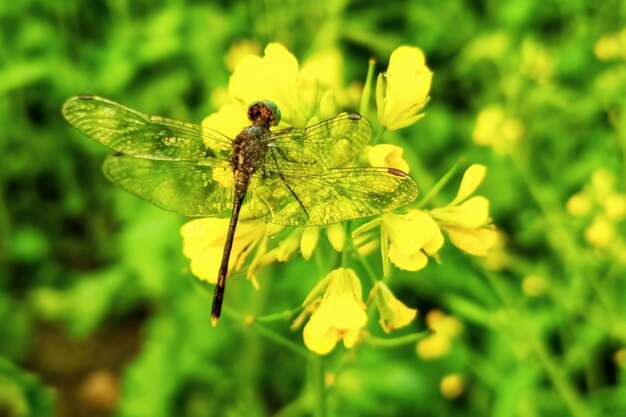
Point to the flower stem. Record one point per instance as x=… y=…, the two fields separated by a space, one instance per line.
x=379 y=136
x=344 y=252
x=367 y=89
x=316 y=379
x=268 y=333
x=397 y=341
x=368 y=269
x=279 y=316
x=438 y=186
x=562 y=384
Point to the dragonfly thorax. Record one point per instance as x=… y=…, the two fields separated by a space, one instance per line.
x=249 y=149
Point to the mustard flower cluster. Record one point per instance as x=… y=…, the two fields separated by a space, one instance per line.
x=335 y=309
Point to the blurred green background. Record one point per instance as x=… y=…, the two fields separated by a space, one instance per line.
x=99 y=315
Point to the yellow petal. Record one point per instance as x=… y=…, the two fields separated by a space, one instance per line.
x=343 y=300
x=393 y=313
x=449 y=326
x=350 y=337
x=273 y=77
x=328 y=105
x=206 y=266
x=579 y=204
x=452 y=386
x=318 y=335
x=390 y=156
x=472 y=213
x=201 y=233
x=472 y=178
x=411 y=231
x=308 y=242
x=433 y=347
x=290 y=245
x=336 y=236
x=615 y=206
x=601 y=232
x=229 y=120
x=409 y=262
x=434 y=244
x=472 y=241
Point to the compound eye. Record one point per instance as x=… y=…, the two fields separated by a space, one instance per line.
x=274 y=109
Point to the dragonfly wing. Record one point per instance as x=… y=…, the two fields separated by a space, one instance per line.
x=190 y=188
x=332 y=197
x=134 y=133
x=319 y=147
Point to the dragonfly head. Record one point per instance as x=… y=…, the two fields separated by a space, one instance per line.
x=265 y=113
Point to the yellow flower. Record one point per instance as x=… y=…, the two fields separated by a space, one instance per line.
x=402 y=91
x=306 y=239
x=611 y=46
x=338 y=315
x=388 y=156
x=537 y=61
x=603 y=207
x=466 y=220
x=579 y=204
x=411 y=237
x=452 y=386
x=406 y=239
x=302 y=95
x=534 y=285
x=619 y=357
x=393 y=313
x=495 y=129
x=601 y=232
x=203 y=244
x=445 y=329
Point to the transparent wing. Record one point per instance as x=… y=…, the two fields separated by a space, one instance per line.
x=319 y=147
x=190 y=188
x=134 y=133
x=332 y=197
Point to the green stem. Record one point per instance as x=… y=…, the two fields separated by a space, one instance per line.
x=566 y=390
x=564 y=245
x=344 y=252
x=438 y=186
x=268 y=333
x=316 y=378
x=379 y=135
x=366 y=266
x=367 y=89
x=398 y=341
x=280 y=316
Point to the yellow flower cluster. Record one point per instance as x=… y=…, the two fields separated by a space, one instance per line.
x=338 y=312
x=445 y=329
x=603 y=206
x=496 y=129
x=611 y=46
x=307 y=94
x=304 y=96
x=466 y=219
x=452 y=386
x=408 y=239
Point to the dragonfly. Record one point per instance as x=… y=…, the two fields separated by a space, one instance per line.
x=291 y=177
